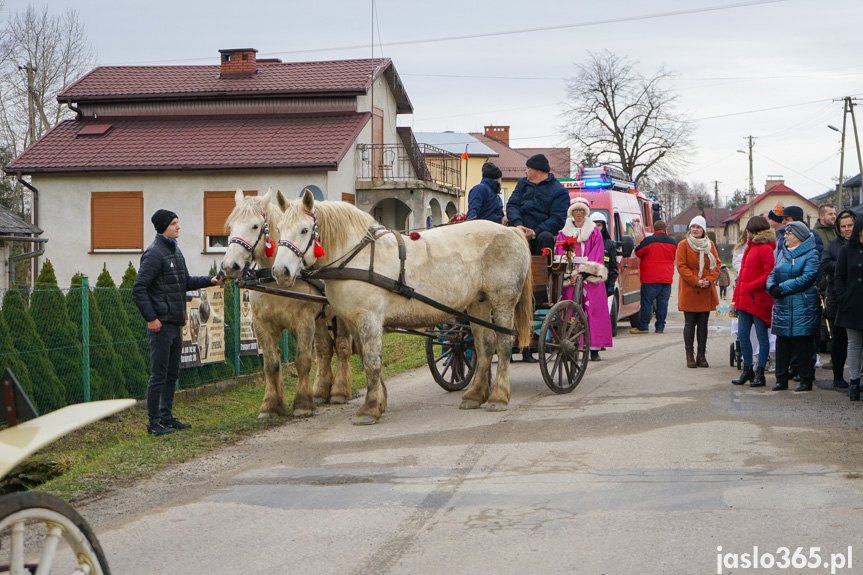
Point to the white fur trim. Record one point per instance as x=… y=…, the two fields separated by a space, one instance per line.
x=599 y=273
x=580 y=202
x=570 y=230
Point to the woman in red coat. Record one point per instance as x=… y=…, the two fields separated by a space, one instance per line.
x=753 y=304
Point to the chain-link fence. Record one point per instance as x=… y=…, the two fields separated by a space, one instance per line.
x=88 y=343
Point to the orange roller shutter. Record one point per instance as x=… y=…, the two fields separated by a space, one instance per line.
x=217 y=207
x=117 y=220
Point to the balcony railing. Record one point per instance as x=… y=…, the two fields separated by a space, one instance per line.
x=396 y=162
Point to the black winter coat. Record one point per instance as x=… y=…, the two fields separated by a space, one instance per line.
x=541 y=207
x=162 y=282
x=848 y=283
x=828 y=265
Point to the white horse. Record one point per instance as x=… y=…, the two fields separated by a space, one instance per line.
x=481 y=267
x=252 y=224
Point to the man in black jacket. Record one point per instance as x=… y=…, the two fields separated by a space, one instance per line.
x=160 y=294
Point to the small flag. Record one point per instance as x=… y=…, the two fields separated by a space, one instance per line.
x=464 y=155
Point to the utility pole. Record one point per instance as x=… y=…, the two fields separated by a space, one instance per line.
x=847 y=108
x=31 y=105
x=716 y=211
x=751 y=182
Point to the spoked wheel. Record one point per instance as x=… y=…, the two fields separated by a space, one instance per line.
x=451 y=355
x=40 y=531
x=564 y=346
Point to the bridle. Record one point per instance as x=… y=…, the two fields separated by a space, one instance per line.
x=312 y=238
x=265 y=232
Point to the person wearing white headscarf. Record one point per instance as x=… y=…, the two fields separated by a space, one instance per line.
x=698 y=265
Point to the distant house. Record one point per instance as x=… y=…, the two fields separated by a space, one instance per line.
x=775 y=192
x=14 y=230
x=186 y=137
x=680 y=223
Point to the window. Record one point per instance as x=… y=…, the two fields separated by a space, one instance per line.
x=117 y=221
x=217 y=207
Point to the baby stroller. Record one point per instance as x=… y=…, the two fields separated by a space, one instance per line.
x=736 y=355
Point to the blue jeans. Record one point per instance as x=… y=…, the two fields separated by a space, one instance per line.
x=650 y=292
x=745 y=321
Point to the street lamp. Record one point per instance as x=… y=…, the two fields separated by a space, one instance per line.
x=838 y=201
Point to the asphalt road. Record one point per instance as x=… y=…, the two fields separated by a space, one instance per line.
x=647 y=467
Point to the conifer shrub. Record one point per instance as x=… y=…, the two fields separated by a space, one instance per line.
x=116 y=322
x=43 y=386
x=48 y=310
x=137 y=324
x=10 y=359
x=107 y=380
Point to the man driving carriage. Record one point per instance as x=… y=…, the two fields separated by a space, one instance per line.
x=538 y=205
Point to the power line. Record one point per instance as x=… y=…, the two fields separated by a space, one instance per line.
x=793 y=170
x=518 y=31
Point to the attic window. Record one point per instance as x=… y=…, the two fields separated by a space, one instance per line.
x=95 y=130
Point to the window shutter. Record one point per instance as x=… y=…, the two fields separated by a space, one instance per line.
x=217 y=207
x=117 y=220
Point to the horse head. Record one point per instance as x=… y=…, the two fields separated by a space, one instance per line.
x=250 y=233
x=298 y=232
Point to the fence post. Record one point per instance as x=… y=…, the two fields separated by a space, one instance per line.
x=85 y=334
x=237 y=314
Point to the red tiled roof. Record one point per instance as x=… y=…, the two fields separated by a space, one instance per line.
x=558 y=159
x=777 y=189
x=148 y=82
x=196 y=144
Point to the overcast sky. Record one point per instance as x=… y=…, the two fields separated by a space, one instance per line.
x=766 y=69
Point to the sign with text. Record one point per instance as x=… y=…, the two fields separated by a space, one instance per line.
x=248 y=340
x=204 y=332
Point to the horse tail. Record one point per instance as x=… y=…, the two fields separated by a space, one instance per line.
x=524 y=310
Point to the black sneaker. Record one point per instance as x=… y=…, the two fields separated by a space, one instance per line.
x=594 y=355
x=158 y=429
x=173 y=423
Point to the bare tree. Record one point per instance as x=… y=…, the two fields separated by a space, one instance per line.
x=40 y=55
x=624 y=118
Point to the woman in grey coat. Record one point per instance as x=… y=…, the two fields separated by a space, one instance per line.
x=792 y=283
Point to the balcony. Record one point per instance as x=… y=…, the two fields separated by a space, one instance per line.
x=380 y=163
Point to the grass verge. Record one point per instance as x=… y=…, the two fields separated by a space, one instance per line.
x=116 y=452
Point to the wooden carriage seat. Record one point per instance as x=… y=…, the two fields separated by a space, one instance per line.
x=539 y=272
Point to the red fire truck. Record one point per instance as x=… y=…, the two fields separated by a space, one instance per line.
x=630 y=219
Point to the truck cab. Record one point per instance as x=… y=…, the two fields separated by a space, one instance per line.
x=630 y=220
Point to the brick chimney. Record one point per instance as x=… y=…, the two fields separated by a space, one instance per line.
x=238 y=63
x=499 y=132
x=773 y=181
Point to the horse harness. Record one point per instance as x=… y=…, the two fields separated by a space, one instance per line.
x=374 y=233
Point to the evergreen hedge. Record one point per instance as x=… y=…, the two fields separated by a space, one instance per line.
x=42 y=385
x=137 y=324
x=135 y=370
x=48 y=310
x=9 y=358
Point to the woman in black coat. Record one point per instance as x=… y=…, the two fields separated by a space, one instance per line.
x=848 y=285
x=839 y=348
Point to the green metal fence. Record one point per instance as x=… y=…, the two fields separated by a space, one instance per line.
x=88 y=343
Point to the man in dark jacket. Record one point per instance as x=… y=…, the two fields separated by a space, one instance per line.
x=657 y=254
x=538 y=205
x=160 y=294
x=839 y=350
x=483 y=201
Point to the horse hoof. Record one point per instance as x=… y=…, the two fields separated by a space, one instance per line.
x=469 y=404
x=303 y=413
x=497 y=407
x=320 y=400
x=338 y=400
x=266 y=415
x=364 y=420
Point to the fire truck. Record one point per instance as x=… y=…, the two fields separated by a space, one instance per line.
x=629 y=214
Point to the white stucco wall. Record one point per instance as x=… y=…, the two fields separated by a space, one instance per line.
x=64 y=214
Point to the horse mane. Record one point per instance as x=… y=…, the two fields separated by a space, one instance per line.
x=248 y=209
x=340 y=222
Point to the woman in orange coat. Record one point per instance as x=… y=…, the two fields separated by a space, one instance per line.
x=698 y=265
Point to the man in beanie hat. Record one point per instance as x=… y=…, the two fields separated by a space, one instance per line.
x=160 y=294
x=483 y=201
x=538 y=205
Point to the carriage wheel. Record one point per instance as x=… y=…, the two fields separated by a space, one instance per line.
x=564 y=347
x=44 y=521
x=451 y=355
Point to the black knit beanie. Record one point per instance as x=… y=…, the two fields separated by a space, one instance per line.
x=489 y=170
x=538 y=162
x=162 y=219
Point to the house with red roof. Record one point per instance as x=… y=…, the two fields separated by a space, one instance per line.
x=185 y=138
x=775 y=192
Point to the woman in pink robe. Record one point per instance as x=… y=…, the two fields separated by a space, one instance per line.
x=590 y=246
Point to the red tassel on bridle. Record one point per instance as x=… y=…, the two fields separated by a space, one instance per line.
x=319 y=249
x=270 y=248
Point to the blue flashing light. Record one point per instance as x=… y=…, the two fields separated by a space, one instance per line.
x=597 y=184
